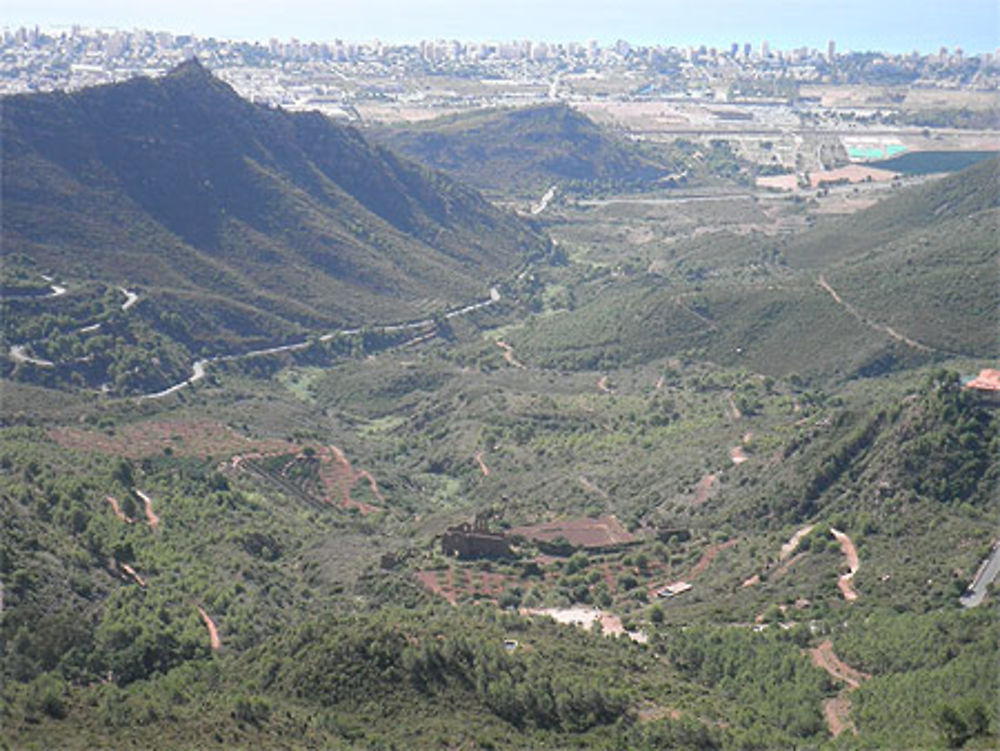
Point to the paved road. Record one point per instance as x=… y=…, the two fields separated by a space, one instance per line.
x=199 y=367
x=987 y=573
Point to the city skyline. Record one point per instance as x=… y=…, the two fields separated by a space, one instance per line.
x=891 y=26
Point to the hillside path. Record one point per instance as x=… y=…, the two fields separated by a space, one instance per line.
x=19 y=353
x=213 y=630
x=118 y=510
x=793 y=542
x=131 y=298
x=837 y=711
x=846 y=581
x=861 y=318
x=508 y=354
x=151 y=516
x=482 y=465
x=823 y=656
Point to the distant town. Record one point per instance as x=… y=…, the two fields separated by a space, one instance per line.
x=339 y=77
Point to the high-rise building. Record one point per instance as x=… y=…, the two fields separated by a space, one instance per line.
x=831 y=50
x=765 y=50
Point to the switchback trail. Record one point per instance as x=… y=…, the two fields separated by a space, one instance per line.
x=134 y=575
x=837 y=710
x=884 y=328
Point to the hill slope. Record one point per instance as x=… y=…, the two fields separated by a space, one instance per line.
x=909 y=279
x=523 y=149
x=179 y=184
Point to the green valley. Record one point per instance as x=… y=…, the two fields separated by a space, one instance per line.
x=303 y=445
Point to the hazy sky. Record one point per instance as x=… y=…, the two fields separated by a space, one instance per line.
x=892 y=25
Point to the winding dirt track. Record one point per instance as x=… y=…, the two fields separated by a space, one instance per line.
x=709 y=555
x=823 y=656
x=734 y=411
x=846 y=581
x=482 y=465
x=351 y=476
x=213 y=631
x=837 y=710
x=118 y=510
x=508 y=354
x=151 y=516
x=703 y=489
x=861 y=318
x=134 y=574
x=793 y=542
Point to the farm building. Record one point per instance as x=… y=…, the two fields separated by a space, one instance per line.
x=475 y=541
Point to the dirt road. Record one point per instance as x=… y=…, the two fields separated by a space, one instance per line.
x=118 y=510
x=508 y=354
x=793 y=542
x=837 y=713
x=134 y=575
x=709 y=555
x=19 y=353
x=151 y=517
x=846 y=581
x=734 y=411
x=131 y=298
x=482 y=465
x=837 y=710
x=213 y=631
x=550 y=193
x=824 y=657
x=861 y=318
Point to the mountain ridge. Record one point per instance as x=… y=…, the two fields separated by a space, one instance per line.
x=177 y=180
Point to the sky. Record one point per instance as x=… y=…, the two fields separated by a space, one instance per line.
x=860 y=25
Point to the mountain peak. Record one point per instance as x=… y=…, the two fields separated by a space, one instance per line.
x=191 y=68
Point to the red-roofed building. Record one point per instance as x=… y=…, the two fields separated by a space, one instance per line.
x=987 y=385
